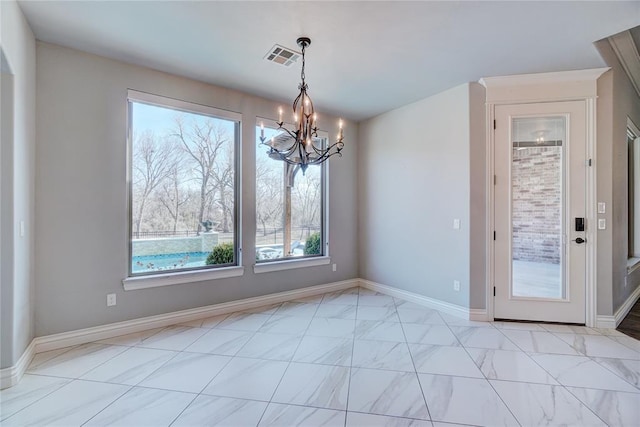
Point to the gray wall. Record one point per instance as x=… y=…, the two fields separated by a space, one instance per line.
x=478 y=200
x=81 y=187
x=17 y=189
x=617 y=100
x=415 y=174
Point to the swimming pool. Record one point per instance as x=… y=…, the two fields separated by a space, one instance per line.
x=143 y=264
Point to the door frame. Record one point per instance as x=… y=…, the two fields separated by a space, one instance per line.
x=539 y=88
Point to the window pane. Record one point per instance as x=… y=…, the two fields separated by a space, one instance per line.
x=306 y=212
x=183 y=189
x=269 y=201
x=288 y=203
x=537 y=203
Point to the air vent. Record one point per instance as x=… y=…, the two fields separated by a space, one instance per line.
x=282 y=55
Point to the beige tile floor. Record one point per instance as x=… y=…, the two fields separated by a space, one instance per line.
x=350 y=358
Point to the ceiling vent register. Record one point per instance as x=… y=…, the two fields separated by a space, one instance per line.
x=282 y=55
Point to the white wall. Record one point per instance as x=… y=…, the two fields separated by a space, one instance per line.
x=17 y=173
x=617 y=100
x=81 y=195
x=415 y=174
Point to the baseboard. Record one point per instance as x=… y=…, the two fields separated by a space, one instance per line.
x=453 y=309
x=606 y=322
x=82 y=336
x=626 y=307
x=612 y=322
x=11 y=376
x=479 y=315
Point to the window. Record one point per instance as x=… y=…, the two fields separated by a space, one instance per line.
x=289 y=205
x=183 y=177
x=633 y=194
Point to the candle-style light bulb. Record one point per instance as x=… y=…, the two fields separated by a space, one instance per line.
x=280 y=114
x=262 y=130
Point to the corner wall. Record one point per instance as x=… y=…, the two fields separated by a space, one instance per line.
x=617 y=100
x=81 y=221
x=415 y=170
x=17 y=174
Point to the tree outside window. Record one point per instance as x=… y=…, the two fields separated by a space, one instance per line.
x=289 y=205
x=183 y=185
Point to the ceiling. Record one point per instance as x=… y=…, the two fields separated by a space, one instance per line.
x=365 y=57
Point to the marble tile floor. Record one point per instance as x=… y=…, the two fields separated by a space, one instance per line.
x=349 y=358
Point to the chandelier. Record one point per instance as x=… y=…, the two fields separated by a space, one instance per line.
x=301 y=146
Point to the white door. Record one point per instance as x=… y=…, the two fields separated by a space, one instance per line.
x=540 y=224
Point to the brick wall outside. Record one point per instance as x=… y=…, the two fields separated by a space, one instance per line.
x=537 y=198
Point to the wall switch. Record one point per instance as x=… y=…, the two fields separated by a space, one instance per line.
x=456 y=224
x=111 y=300
x=335 y=267
x=456 y=285
x=602 y=207
x=21 y=228
x=602 y=224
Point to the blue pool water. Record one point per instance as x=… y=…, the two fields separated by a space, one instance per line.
x=142 y=264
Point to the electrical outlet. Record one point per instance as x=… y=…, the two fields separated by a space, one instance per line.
x=456 y=285
x=335 y=267
x=456 y=224
x=111 y=300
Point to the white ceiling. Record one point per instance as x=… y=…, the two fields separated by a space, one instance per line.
x=365 y=58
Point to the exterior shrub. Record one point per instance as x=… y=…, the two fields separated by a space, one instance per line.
x=312 y=245
x=222 y=253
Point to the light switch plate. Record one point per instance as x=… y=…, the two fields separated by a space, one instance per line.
x=456 y=224
x=602 y=224
x=602 y=207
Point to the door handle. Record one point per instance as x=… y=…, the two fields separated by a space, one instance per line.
x=580 y=240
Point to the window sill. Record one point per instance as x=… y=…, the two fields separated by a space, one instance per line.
x=156 y=280
x=632 y=264
x=290 y=264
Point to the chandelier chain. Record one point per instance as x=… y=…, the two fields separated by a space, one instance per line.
x=302 y=75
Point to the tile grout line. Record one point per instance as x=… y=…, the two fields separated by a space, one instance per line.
x=553 y=385
x=415 y=369
x=231 y=358
x=288 y=364
x=353 y=345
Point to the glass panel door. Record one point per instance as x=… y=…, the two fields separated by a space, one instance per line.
x=537 y=207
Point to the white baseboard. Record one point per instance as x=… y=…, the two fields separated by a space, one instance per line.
x=606 y=322
x=612 y=322
x=479 y=315
x=453 y=309
x=82 y=336
x=11 y=376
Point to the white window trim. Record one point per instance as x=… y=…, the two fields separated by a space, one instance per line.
x=289 y=264
x=180 y=277
x=185 y=276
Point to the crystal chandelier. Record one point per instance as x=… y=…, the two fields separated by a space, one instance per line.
x=297 y=147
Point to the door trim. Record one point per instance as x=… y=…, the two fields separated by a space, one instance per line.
x=520 y=93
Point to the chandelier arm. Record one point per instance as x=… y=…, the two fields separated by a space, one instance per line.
x=328 y=149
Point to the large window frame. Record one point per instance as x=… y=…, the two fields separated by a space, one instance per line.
x=291 y=262
x=147 y=279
